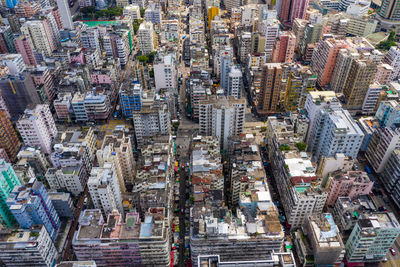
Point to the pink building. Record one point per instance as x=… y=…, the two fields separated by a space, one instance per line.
x=42 y=76
x=62 y=105
x=56 y=13
x=100 y=78
x=384 y=74
x=324 y=58
x=78 y=57
x=291 y=10
x=3 y=155
x=23 y=47
x=350 y=184
x=284 y=48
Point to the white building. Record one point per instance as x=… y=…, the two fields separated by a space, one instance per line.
x=14 y=62
x=66 y=19
x=383 y=142
x=151 y=121
x=225 y=66
x=104 y=189
x=270 y=29
x=153 y=14
x=372 y=237
x=371 y=98
x=165 y=72
x=27 y=248
x=71 y=178
x=90 y=38
x=235 y=82
x=393 y=59
x=146 y=37
x=35 y=29
x=229 y=4
x=316 y=101
x=132 y=11
x=335 y=132
x=222 y=117
x=37 y=127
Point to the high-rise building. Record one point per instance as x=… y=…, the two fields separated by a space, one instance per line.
x=132 y=11
x=292 y=170
x=270 y=30
x=345 y=58
x=324 y=59
x=291 y=10
x=63 y=7
x=90 y=38
x=392 y=58
x=146 y=37
x=212 y=13
x=334 y=131
x=222 y=117
x=390 y=10
x=104 y=189
x=165 y=72
x=8 y=180
x=300 y=82
x=268 y=98
x=18 y=92
x=37 y=127
x=31 y=205
x=14 y=62
x=351 y=184
x=244 y=47
x=9 y=140
x=123 y=242
x=312 y=34
x=388 y=113
x=41 y=36
x=150 y=121
x=6 y=40
x=70 y=178
x=315 y=102
x=229 y=4
x=372 y=237
x=360 y=77
x=327 y=251
x=225 y=67
x=33 y=247
x=130 y=99
x=383 y=142
x=390 y=177
x=235 y=83
x=117 y=149
x=284 y=48
x=153 y=13
x=23 y=46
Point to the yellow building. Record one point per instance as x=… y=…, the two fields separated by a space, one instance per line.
x=300 y=82
x=212 y=12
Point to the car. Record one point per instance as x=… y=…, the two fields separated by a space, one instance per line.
x=393 y=251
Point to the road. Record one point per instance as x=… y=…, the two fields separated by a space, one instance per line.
x=68 y=248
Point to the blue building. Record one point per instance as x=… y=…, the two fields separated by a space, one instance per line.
x=388 y=113
x=367 y=126
x=31 y=205
x=131 y=99
x=11 y=3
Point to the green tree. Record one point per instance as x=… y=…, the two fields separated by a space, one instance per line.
x=385 y=45
x=143 y=59
x=142 y=11
x=301 y=146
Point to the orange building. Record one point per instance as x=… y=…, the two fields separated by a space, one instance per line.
x=8 y=137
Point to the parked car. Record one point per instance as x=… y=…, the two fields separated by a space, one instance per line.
x=393 y=251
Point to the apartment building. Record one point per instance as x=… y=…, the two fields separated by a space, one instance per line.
x=35 y=158
x=104 y=189
x=284 y=47
x=388 y=113
x=383 y=142
x=63 y=204
x=14 y=62
x=324 y=59
x=372 y=237
x=62 y=105
x=335 y=131
x=40 y=33
x=300 y=82
x=69 y=178
x=235 y=83
x=300 y=191
x=165 y=72
x=30 y=204
x=146 y=38
x=123 y=242
x=268 y=98
x=37 y=127
x=9 y=140
x=222 y=117
x=132 y=11
x=33 y=247
x=392 y=58
x=90 y=107
x=117 y=149
x=153 y=13
x=351 y=184
x=9 y=180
